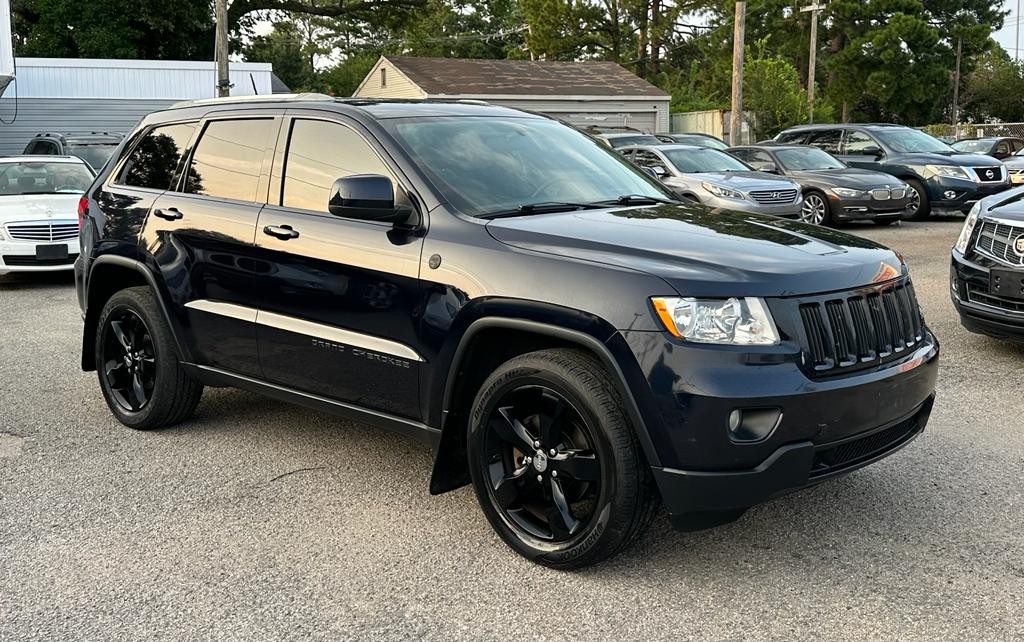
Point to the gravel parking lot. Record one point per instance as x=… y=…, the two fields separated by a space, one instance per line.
x=198 y=532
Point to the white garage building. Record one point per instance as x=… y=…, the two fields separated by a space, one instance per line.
x=581 y=93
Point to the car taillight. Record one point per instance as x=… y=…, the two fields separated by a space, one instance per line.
x=83 y=208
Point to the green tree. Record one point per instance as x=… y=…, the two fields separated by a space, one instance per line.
x=148 y=29
x=994 y=90
x=773 y=93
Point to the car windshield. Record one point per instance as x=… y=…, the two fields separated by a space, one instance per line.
x=973 y=146
x=643 y=139
x=43 y=178
x=701 y=141
x=905 y=140
x=96 y=155
x=806 y=158
x=484 y=165
x=700 y=161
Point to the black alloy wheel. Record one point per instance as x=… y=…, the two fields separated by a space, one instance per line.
x=543 y=472
x=555 y=460
x=129 y=360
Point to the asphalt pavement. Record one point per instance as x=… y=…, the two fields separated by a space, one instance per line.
x=198 y=532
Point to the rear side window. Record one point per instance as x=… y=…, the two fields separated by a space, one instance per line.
x=228 y=158
x=792 y=137
x=318 y=153
x=827 y=139
x=152 y=162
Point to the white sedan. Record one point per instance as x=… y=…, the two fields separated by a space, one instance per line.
x=39 y=211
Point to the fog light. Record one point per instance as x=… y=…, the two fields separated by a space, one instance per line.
x=753 y=424
x=954 y=287
x=949 y=194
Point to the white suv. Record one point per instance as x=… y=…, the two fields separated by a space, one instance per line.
x=38 y=211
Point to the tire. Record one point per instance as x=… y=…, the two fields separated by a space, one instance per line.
x=607 y=491
x=134 y=346
x=816 y=209
x=923 y=209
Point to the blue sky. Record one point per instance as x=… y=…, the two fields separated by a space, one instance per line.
x=1007 y=36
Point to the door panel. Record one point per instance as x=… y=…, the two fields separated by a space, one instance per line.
x=340 y=299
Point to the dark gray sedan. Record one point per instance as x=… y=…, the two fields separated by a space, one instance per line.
x=833 y=191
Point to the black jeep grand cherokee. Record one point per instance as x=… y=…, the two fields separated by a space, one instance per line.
x=571 y=340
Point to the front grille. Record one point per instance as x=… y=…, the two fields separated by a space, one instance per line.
x=989 y=174
x=27 y=260
x=778 y=197
x=881 y=194
x=898 y=193
x=43 y=231
x=997 y=240
x=980 y=296
x=860 y=329
x=1015 y=170
x=835 y=458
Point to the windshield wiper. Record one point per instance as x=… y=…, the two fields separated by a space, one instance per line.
x=637 y=199
x=544 y=207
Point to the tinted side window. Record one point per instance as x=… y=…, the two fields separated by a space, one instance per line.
x=318 y=153
x=827 y=139
x=228 y=158
x=1003 y=147
x=644 y=158
x=856 y=142
x=792 y=137
x=153 y=161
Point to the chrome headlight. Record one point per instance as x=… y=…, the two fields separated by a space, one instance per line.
x=846 y=192
x=736 y=321
x=953 y=171
x=965 y=234
x=724 y=192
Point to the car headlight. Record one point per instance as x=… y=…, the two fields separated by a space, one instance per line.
x=846 y=192
x=965 y=234
x=724 y=192
x=953 y=171
x=736 y=321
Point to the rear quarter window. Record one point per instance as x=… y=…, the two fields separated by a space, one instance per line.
x=153 y=161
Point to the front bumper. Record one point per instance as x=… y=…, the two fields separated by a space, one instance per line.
x=20 y=256
x=980 y=311
x=866 y=209
x=698 y=499
x=787 y=210
x=965 y=192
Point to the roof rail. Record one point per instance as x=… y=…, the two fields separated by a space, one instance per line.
x=260 y=98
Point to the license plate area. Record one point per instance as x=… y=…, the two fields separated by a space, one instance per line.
x=52 y=252
x=1006 y=283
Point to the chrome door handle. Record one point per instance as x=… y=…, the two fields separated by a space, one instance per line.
x=283 y=232
x=170 y=214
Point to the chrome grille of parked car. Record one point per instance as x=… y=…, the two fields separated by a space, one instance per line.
x=997 y=240
x=977 y=294
x=885 y=194
x=774 y=197
x=989 y=174
x=860 y=329
x=43 y=230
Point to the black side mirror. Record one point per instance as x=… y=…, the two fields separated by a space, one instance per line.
x=872 y=150
x=369 y=197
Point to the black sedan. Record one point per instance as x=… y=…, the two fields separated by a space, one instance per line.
x=693 y=138
x=833 y=191
x=996 y=146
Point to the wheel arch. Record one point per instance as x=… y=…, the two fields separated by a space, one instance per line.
x=109 y=274
x=473 y=361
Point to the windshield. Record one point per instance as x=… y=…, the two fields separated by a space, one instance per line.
x=95 y=155
x=43 y=178
x=905 y=140
x=483 y=165
x=806 y=158
x=642 y=139
x=701 y=141
x=699 y=161
x=973 y=146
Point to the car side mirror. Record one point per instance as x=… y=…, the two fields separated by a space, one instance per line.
x=368 y=197
x=659 y=171
x=650 y=172
x=872 y=150
x=770 y=168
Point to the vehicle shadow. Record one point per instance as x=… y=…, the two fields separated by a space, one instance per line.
x=37 y=280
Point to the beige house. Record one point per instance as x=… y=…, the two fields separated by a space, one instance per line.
x=581 y=93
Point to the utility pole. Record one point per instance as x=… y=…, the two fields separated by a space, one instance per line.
x=221 y=48
x=814 y=9
x=737 y=74
x=1016 y=47
x=956 y=86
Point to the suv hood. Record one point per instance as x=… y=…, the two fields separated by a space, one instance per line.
x=38 y=207
x=704 y=252
x=847 y=177
x=744 y=181
x=952 y=158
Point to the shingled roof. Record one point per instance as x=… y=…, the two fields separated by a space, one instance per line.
x=471 y=77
